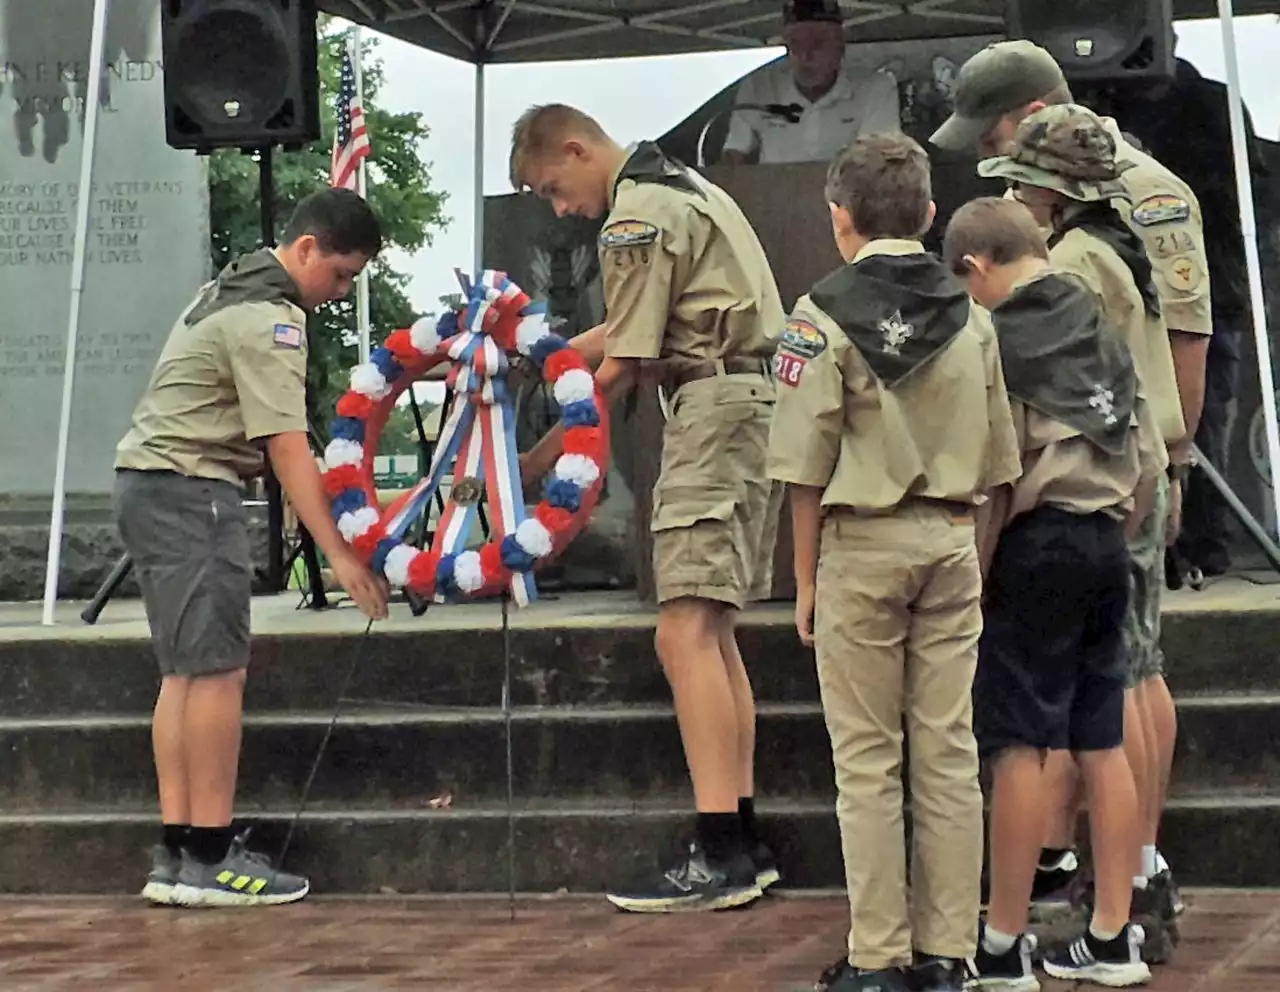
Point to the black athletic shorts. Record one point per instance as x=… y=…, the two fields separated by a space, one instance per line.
x=1051 y=662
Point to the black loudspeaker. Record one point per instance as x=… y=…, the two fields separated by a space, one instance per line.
x=240 y=73
x=1103 y=41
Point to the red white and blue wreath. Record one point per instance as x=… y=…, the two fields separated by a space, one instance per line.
x=477 y=444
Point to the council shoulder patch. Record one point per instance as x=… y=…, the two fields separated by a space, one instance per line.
x=628 y=234
x=1161 y=209
x=801 y=338
x=287 y=335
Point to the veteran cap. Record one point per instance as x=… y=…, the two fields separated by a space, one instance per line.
x=1001 y=78
x=1065 y=148
x=797 y=11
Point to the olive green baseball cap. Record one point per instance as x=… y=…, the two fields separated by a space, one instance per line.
x=1065 y=148
x=997 y=80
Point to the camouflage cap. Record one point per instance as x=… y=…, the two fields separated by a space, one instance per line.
x=1065 y=148
x=997 y=80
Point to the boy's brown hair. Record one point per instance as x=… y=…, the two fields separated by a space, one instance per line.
x=1001 y=230
x=540 y=128
x=883 y=180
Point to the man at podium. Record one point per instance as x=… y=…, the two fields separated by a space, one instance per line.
x=806 y=107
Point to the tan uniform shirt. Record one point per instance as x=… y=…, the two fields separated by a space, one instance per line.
x=1063 y=468
x=1103 y=271
x=685 y=277
x=232 y=378
x=1166 y=215
x=944 y=432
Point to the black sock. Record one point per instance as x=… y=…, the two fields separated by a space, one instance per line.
x=720 y=834
x=175 y=834
x=209 y=845
x=1050 y=856
x=747 y=814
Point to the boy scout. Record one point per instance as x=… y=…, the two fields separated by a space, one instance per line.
x=1063 y=168
x=1051 y=664
x=891 y=425
x=995 y=90
x=687 y=287
x=231 y=378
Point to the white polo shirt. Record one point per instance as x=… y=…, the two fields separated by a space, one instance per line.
x=846 y=111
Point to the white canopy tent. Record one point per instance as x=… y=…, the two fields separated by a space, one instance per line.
x=485 y=32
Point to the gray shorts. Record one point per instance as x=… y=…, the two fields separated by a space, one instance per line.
x=189 y=541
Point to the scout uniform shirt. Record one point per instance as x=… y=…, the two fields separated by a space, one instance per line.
x=1093 y=243
x=1074 y=394
x=1165 y=214
x=685 y=278
x=233 y=371
x=890 y=387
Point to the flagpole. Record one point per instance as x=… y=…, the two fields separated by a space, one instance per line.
x=362 y=283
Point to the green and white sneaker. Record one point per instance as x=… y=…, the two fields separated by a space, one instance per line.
x=242 y=878
x=162 y=877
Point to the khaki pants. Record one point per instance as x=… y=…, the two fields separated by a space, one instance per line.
x=897 y=621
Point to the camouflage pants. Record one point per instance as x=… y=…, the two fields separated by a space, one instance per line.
x=1146 y=580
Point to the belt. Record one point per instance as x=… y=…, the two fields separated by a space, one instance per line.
x=721 y=366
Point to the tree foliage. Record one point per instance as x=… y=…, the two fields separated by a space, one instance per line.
x=398 y=188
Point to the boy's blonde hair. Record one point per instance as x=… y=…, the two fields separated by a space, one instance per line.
x=540 y=129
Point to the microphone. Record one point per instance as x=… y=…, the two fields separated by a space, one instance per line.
x=790 y=112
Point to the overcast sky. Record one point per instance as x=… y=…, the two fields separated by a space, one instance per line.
x=643 y=98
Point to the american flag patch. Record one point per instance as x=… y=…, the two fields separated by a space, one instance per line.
x=288 y=335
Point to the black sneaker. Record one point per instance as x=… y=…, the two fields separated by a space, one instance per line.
x=935 y=974
x=696 y=882
x=767 y=873
x=1117 y=963
x=1055 y=882
x=844 y=977
x=1007 y=972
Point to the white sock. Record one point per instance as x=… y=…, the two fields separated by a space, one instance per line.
x=1161 y=863
x=1139 y=881
x=997 y=943
x=1149 y=868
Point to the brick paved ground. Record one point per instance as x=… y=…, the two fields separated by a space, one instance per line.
x=1231 y=944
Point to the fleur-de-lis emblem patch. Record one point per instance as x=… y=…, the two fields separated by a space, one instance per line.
x=895 y=332
x=1104 y=401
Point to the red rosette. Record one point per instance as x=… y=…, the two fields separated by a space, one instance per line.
x=355 y=405
x=422 y=573
x=367 y=543
x=562 y=361
x=555 y=518
x=339 y=480
x=400 y=344
x=582 y=441
x=491 y=566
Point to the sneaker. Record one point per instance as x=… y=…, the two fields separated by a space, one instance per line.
x=935 y=974
x=844 y=977
x=767 y=873
x=242 y=878
x=1055 y=882
x=162 y=877
x=696 y=882
x=1117 y=963
x=1007 y=972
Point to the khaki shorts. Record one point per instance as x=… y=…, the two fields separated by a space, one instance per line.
x=1146 y=583
x=715 y=511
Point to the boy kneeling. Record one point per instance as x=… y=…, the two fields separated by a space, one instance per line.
x=1051 y=668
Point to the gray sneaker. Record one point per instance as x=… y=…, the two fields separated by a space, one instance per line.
x=242 y=878
x=162 y=877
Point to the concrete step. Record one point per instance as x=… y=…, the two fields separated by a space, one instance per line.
x=566 y=847
x=607 y=664
x=405 y=757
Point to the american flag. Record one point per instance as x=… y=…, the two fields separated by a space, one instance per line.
x=351 y=140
